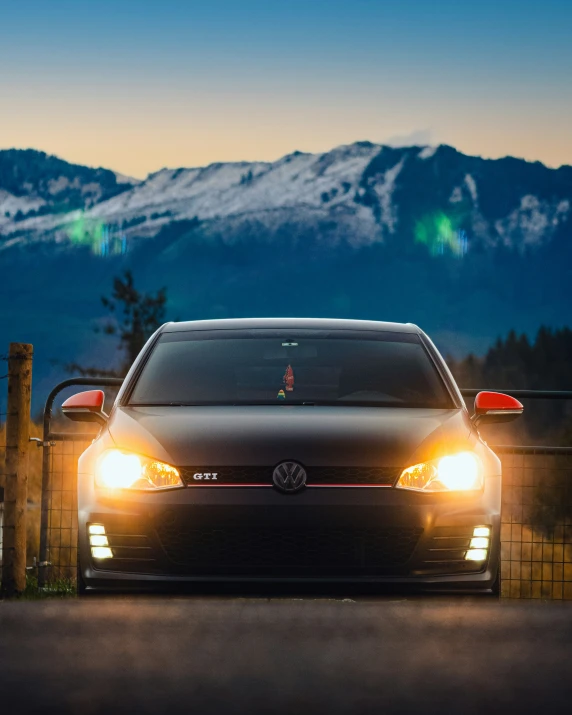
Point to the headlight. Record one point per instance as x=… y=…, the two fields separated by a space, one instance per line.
x=461 y=472
x=116 y=469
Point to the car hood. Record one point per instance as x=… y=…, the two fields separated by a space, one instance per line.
x=312 y=435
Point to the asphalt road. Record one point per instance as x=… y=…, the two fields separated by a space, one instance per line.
x=311 y=655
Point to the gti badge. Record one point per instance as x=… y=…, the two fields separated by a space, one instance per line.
x=289 y=477
x=205 y=475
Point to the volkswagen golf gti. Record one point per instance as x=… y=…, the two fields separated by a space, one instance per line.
x=289 y=450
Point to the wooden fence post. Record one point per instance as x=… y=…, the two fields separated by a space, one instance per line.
x=16 y=473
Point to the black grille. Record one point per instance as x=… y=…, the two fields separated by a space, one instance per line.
x=130 y=546
x=449 y=544
x=373 y=476
x=352 y=475
x=446 y=551
x=240 y=548
x=132 y=552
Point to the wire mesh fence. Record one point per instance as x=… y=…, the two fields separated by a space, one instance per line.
x=61 y=542
x=58 y=534
x=536 y=529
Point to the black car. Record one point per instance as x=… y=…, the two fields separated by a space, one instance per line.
x=289 y=450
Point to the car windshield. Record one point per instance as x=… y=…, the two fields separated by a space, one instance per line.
x=228 y=367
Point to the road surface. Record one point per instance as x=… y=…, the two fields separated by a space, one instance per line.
x=210 y=654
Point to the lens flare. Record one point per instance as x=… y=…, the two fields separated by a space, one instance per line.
x=442 y=233
x=103 y=239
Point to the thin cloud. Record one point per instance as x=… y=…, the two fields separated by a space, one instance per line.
x=421 y=137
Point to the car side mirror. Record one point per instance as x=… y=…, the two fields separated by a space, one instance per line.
x=86 y=407
x=495 y=407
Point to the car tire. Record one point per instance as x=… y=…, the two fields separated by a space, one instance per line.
x=495 y=588
x=81 y=587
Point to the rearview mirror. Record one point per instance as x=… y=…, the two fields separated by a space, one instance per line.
x=496 y=407
x=86 y=407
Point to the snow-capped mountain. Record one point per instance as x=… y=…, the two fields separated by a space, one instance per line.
x=362 y=193
x=33 y=184
x=467 y=248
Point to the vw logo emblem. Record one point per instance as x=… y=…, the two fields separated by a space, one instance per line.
x=289 y=477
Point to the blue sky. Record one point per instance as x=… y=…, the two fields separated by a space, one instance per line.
x=141 y=84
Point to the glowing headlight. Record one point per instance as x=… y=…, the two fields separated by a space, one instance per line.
x=457 y=472
x=123 y=470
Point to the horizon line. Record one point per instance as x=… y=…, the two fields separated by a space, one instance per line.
x=295 y=152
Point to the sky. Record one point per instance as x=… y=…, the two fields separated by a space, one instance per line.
x=137 y=85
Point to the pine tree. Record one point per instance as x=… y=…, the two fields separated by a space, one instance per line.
x=139 y=315
x=134 y=318
x=516 y=363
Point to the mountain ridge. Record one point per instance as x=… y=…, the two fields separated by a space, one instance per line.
x=372 y=191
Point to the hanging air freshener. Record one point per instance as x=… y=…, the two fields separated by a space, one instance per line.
x=288 y=379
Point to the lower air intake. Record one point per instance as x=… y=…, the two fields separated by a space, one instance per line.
x=267 y=548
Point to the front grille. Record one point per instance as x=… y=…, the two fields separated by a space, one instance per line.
x=317 y=476
x=239 y=548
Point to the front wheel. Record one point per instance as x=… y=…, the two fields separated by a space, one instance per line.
x=495 y=588
x=81 y=587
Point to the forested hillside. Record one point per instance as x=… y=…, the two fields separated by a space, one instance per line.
x=515 y=362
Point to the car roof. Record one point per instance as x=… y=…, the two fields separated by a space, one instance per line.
x=290 y=324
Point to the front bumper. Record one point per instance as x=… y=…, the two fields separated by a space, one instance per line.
x=239 y=534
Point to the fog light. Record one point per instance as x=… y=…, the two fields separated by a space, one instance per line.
x=95 y=540
x=101 y=552
x=482 y=531
x=476 y=555
x=481 y=542
x=96 y=529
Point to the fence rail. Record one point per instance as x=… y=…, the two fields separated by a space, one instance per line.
x=526 y=395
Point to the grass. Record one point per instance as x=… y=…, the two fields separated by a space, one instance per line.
x=58 y=588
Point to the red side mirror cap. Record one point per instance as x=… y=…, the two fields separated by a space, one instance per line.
x=86 y=407
x=496 y=407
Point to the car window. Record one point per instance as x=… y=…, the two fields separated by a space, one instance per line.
x=380 y=369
